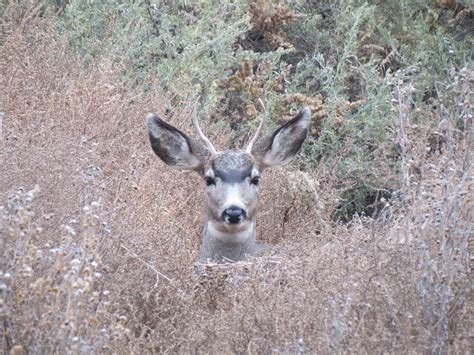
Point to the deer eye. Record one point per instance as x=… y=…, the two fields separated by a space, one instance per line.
x=210 y=181
x=255 y=181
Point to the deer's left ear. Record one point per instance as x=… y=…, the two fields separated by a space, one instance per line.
x=281 y=146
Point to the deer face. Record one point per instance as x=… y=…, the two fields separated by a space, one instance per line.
x=232 y=177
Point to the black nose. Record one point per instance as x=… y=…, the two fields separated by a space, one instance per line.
x=233 y=214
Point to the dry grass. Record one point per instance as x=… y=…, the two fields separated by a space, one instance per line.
x=100 y=257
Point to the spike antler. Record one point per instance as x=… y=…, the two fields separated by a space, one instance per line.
x=206 y=141
x=259 y=129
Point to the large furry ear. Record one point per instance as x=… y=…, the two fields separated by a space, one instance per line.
x=174 y=147
x=281 y=146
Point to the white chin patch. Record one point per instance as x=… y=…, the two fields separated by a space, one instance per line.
x=228 y=232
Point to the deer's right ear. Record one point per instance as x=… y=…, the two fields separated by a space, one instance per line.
x=173 y=146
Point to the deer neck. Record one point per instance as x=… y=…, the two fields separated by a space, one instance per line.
x=226 y=245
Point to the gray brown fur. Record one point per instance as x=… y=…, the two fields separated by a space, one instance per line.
x=232 y=179
x=233 y=166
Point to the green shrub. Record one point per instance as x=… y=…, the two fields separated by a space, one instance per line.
x=188 y=46
x=352 y=54
x=355 y=54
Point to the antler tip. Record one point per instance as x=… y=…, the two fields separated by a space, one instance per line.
x=306 y=112
x=206 y=140
x=150 y=116
x=259 y=129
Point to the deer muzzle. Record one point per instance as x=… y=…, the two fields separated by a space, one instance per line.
x=233 y=215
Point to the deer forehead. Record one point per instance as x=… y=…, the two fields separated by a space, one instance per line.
x=233 y=166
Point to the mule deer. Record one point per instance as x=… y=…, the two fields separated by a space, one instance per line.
x=232 y=178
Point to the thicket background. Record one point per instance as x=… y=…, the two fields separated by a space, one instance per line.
x=370 y=229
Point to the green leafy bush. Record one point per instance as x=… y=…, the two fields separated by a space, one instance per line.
x=351 y=54
x=355 y=54
x=188 y=46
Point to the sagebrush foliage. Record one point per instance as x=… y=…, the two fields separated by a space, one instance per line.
x=187 y=46
x=345 y=52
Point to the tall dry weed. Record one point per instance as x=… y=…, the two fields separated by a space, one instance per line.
x=100 y=257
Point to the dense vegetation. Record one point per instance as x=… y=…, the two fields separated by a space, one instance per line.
x=371 y=225
x=343 y=59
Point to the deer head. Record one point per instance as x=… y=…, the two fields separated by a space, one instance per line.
x=232 y=178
